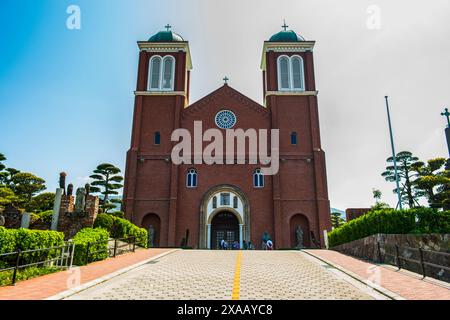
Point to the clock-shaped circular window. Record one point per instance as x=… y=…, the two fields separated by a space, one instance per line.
x=225 y=119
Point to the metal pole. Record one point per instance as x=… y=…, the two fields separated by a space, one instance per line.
x=394 y=155
x=422 y=263
x=16 y=267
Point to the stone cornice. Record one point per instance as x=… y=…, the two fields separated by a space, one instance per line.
x=160 y=93
x=292 y=93
x=301 y=46
x=168 y=47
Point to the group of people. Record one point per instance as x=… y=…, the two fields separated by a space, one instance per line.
x=267 y=244
x=235 y=245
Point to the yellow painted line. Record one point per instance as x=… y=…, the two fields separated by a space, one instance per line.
x=237 y=277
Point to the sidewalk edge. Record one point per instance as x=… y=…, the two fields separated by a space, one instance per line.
x=379 y=289
x=87 y=285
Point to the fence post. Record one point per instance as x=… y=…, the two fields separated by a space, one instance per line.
x=379 y=252
x=134 y=244
x=422 y=263
x=72 y=253
x=88 y=247
x=16 y=267
x=115 y=248
x=397 y=251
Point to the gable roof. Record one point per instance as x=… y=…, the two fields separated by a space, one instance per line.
x=228 y=91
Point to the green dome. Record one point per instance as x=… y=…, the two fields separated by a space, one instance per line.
x=166 y=36
x=286 y=36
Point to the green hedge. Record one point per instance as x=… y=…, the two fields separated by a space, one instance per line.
x=390 y=221
x=121 y=228
x=25 y=239
x=97 y=251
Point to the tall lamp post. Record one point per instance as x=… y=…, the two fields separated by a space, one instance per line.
x=446 y=114
x=394 y=155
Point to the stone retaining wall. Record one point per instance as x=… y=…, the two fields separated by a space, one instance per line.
x=367 y=248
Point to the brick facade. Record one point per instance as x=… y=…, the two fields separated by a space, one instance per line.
x=155 y=190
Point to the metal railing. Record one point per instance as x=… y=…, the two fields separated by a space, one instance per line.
x=61 y=256
x=120 y=246
x=58 y=257
x=422 y=262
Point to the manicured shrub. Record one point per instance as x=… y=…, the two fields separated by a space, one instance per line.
x=97 y=251
x=104 y=221
x=7 y=240
x=24 y=239
x=121 y=228
x=390 y=221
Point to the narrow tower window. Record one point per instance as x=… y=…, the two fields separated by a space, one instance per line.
x=235 y=202
x=258 y=179
x=168 y=73
x=283 y=73
x=192 y=178
x=297 y=73
x=214 y=202
x=294 y=138
x=157 y=138
x=155 y=73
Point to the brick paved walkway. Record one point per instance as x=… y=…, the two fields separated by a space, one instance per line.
x=202 y=274
x=52 y=284
x=407 y=286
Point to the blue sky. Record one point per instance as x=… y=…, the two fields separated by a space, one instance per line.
x=66 y=96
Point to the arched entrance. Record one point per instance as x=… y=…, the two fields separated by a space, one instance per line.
x=219 y=200
x=152 y=223
x=224 y=225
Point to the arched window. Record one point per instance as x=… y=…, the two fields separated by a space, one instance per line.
x=297 y=73
x=284 y=73
x=258 y=179
x=235 y=202
x=191 y=178
x=157 y=138
x=291 y=73
x=161 y=74
x=294 y=138
x=154 y=73
x=168 y=73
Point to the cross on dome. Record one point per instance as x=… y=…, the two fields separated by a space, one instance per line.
x=168 y=27
x=284 y=26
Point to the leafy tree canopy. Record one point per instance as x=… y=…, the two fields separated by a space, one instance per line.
x=107 y=181
x=41 y=202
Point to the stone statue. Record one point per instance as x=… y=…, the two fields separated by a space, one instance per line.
x=299 y=236
x=2 y=220
x=151 y=236
x=87 y=186
x=62 y=181
x=70 y=189
x=80 y=200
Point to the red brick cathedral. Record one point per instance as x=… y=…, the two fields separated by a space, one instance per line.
x=198 y=205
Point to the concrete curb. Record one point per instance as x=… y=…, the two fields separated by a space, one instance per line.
x=87 y=285
x=391 y=295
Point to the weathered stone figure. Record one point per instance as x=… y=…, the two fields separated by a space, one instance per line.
x=2 y=220
x=151 y=236
x=80 y=200
x=62 y=181
x=299 y=237
x=70 y=189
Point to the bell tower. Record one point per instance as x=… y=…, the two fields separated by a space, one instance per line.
x=290 y=95
x=162 y=92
